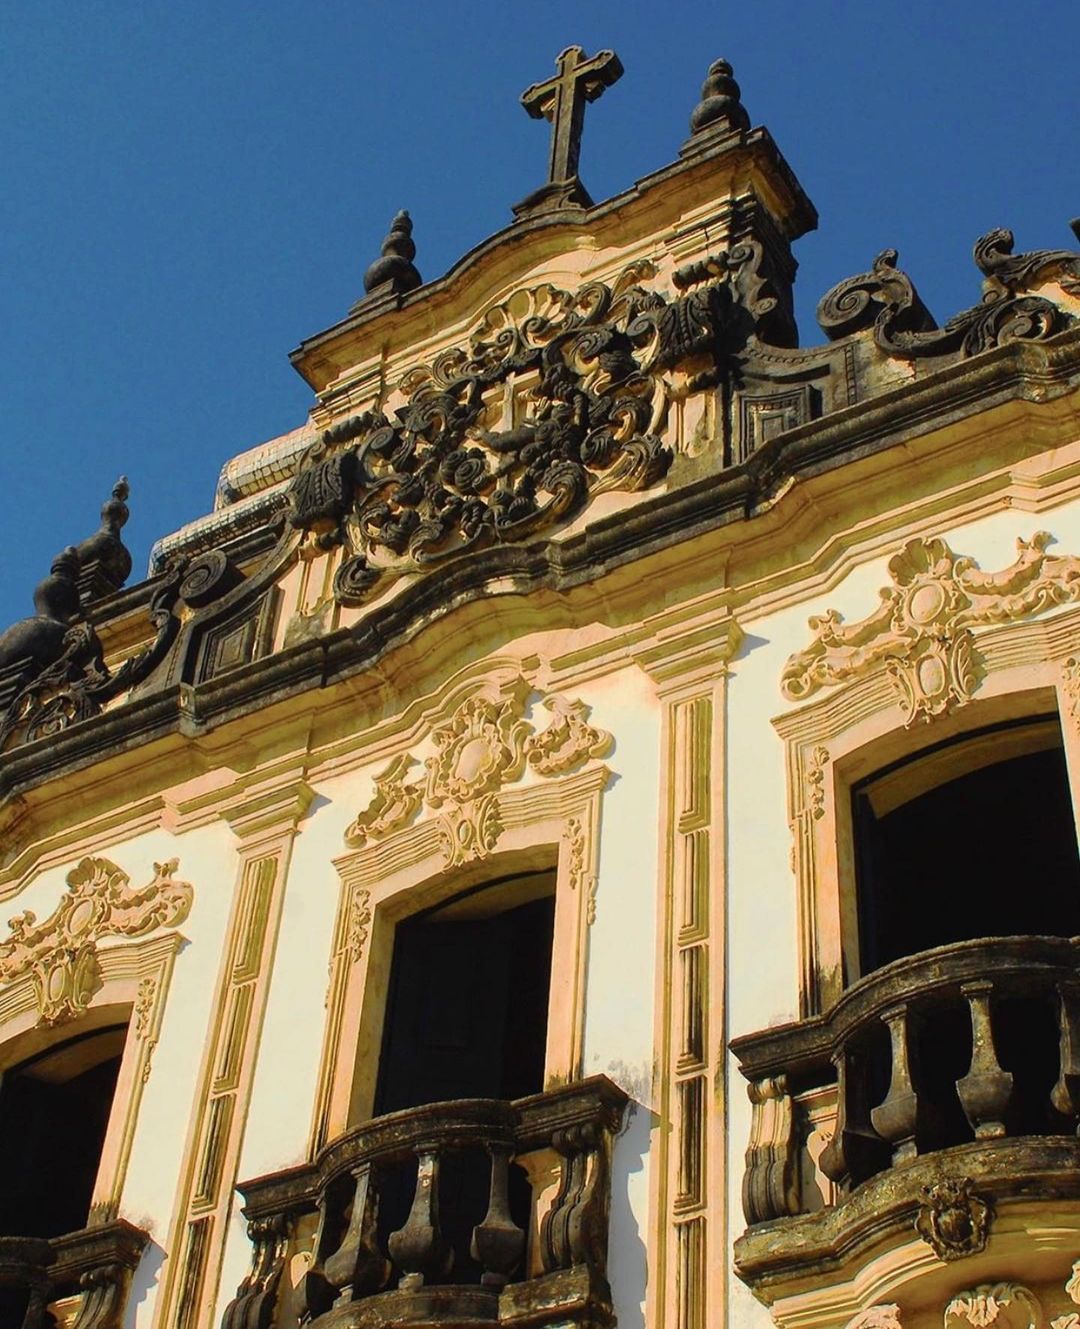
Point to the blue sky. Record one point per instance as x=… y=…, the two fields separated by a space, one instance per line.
x=192 y=187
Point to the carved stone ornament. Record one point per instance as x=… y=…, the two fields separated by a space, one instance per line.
x=392 y=805
x=885 y=1316
x=559 y=396
x=952 y=1220
x=921 y=633
x=1072 y=1285
x=61 y=953
x=885 y=299
x=1008 y=1305
x=485 y=745
x=568 y=740
x=52 y=666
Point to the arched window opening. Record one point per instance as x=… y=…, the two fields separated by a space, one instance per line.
x=971 y=838
x=54 y=1110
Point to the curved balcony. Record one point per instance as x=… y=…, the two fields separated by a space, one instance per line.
x=937 y=1090
x=468 y=1213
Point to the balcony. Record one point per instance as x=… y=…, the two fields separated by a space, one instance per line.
x=929 y=1111
x=79 y=1280
x=473 y=1212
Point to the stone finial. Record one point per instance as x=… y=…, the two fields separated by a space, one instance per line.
x=719 y=109
x=57 y=596
x=393 y=273
x=104 y=562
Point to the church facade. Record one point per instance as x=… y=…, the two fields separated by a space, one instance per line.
x=584 y=833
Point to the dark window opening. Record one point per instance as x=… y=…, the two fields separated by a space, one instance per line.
x=54 y=1109
x=968 y=839
x=466 y=1017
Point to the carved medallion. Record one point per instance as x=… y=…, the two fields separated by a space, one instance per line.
x=921 y=634
x=61 y=953
x=953 y=1221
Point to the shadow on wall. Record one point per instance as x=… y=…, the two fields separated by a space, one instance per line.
x=627 y=1257
x=145 y=1277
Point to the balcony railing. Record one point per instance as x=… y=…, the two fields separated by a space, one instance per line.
x=503 y=1210
x=88 y=1272
x=972 y=1048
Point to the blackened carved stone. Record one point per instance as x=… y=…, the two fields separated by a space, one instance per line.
x=719 y=109
x=393 y=272
x=33 y=644
x=104 y=562
x=454 y=470
x=954 y=1220
x=886 y=300
x=562 y=100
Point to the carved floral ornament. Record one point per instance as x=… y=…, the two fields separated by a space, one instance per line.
x=60 y=954
x=1007 y=1305
x=557 y=397
x=922 y=632
x=486 y=744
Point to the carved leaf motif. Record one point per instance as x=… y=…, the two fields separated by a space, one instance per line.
x=921 y=632
x=1072 y=1286
x=359 y=923
x=885 y=1316
x=60 y=953
x=1010 y=1305
x=568 y=741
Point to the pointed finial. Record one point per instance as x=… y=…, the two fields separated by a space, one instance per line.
x=719 y=108
x=393 y=273
x=104 y=562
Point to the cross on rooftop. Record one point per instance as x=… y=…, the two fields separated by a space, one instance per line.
x=562 y=100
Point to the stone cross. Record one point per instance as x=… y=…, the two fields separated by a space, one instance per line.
x=562 y=100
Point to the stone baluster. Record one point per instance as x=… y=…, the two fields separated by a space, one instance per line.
x=769 y=1180
x=256 y=1297
x=851 y=1154
x=1065 y=1094
x=498 y=1243
x=896 y=1118
x=574 y=1230
x=986 y=1089
x=358 y=1267
x=418 y=1248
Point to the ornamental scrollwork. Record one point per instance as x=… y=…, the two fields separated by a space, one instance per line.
x=922 y=631
x=1010 y=309
x=60 y=953
x=557 y=397
x=885 y=1316
x=486 y=744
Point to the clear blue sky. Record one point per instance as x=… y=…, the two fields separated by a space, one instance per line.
x=191 y=187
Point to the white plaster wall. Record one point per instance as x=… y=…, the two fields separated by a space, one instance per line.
x=622 y=956
x=763 y=939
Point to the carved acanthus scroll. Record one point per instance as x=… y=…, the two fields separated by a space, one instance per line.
x=922 y=632
x=60 y=953
x=1008 y=1305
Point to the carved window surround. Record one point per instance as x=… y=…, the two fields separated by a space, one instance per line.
x=134 y=979
x=880 y=700
x=422 y=839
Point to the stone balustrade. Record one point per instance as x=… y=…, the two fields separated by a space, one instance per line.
x=973 y=1042
x=517 y=1235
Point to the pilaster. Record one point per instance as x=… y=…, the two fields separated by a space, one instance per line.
x=265 y=819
